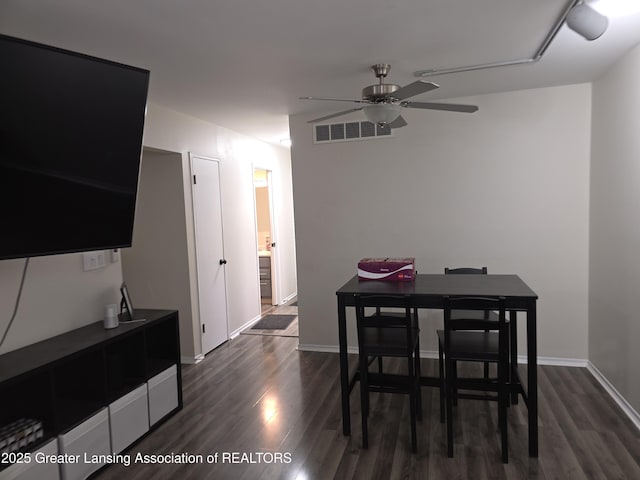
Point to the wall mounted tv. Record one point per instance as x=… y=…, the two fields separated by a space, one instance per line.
x=71 y=130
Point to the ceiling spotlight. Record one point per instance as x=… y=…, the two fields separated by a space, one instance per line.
x=616 y=8
x=586 y=21
x=382 y=113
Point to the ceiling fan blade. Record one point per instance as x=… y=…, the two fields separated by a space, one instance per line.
x=333 y=115
x=398 y=122
x=415 y=88
x=334 y=99
x=449 y=107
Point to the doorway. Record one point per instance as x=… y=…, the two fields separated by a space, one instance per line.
x=266 y=248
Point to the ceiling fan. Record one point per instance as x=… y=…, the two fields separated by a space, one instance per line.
x=383 y=102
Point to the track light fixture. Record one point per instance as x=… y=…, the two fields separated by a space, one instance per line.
x=586 y=21
x=579 y=17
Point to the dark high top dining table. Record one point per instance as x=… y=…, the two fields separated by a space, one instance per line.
x=429 y=291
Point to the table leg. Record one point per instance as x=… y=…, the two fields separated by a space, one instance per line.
x=532 y=374
x=513 y=341
x=344 y=367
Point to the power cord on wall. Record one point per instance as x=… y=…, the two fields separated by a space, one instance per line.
x=15 y=308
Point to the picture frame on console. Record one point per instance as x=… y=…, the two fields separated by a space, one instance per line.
x=126 y=306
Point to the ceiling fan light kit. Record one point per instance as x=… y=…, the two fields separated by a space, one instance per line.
x=382 y=113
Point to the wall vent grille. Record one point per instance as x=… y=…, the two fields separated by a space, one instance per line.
x=349 y=131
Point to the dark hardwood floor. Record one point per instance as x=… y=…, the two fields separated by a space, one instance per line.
x=259 y=396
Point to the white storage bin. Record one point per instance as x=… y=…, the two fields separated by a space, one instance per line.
x=34 y=470
x=91 y=437
x=128 y=418
x=163 y=394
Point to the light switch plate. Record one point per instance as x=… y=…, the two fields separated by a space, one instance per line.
x=93 y=260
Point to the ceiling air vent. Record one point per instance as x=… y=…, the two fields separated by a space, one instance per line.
x=346 y=132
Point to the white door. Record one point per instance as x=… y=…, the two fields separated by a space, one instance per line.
x=210 y=261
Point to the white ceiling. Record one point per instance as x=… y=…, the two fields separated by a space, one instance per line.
x=243 y=64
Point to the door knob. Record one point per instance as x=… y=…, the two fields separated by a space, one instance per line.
x=223 y=261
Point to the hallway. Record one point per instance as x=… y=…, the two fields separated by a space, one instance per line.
x=268 y=309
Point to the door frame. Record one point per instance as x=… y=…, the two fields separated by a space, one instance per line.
x=275 y=264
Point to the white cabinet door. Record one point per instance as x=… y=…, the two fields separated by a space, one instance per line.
x=90 y=438
x=129 y=418
x=210 y=259
x=163 y=394
x=35 y=470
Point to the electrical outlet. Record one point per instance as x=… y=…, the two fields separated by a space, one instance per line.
x=115 y=255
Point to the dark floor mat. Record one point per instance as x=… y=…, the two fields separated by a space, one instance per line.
x=274 y=322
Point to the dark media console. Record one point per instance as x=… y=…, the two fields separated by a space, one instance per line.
x=92 y=389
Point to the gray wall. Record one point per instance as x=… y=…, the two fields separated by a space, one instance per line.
x=506 y=188
x=614 y=276
x=156 y=267
x=57 y=296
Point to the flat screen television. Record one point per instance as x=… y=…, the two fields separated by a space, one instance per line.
x=71 y=130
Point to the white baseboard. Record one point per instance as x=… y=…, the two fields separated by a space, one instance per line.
x=557 y=361
x=433 y=354
x=323 y=348
x=522 y=359
x=289 y=297
x=192 y=360
x=551 y=361
x=249 y=324
x=611 y=390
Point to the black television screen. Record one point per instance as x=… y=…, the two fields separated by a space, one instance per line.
x=71 y=130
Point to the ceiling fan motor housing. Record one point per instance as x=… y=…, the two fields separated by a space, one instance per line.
x=380 y=92
x=381 y=69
